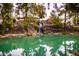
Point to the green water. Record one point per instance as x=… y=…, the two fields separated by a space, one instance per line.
x=30 y=44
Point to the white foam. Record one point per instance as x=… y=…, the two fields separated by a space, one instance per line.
x=31 y=52
x=16 y=52
x=63 y=42
x=40 y=40
x=69 y=46
x=47 y=49
x=37 y=48
x=57 y=54
x=1 y=53
x=70 y=42
x=62 y=49
x=69 y=54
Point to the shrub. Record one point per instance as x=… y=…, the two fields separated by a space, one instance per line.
x=76 y=21
x=30 y=22
x=56 y=22
x=8 y=22
x=76 y=28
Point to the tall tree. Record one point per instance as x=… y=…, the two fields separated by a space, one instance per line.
x=6 y=13
x=63 y=10
x=39 y=10
x=74 y=10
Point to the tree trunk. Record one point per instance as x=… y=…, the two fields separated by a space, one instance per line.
x=76 y=18
x=65 y=22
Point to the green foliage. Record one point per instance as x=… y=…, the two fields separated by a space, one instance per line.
x=35 y=10
x=74 y=7
x=73 y=10
x=76 y=21
x=8 y=22
x=6 y=8
x=29 y=22
x=65 y=32
x=25 y=7
x=38 y=10
x=25 y=24
x=76 y=28
x=56 y=22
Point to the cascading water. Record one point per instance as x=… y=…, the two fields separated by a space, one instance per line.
x=40 y=27
x=39 y=30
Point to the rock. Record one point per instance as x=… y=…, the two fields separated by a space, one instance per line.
x=76 y=53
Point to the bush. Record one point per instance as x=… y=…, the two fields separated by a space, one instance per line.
x=74 y=21
x=8 y=22
x=56 y=22
x=29 y=22
x=76 y=28
x=64 y=32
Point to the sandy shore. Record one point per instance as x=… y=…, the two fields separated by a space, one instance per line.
x=11 y=35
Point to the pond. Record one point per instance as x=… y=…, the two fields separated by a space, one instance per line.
x=44 y=45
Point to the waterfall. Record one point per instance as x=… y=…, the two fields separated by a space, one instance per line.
x=40 y=30
x=40 y=27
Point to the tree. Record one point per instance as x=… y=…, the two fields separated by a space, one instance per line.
x=74 y=11
x=35 y=11
x=39 y=10
x=64 y=10
x=8 y=20
x=56 y=22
